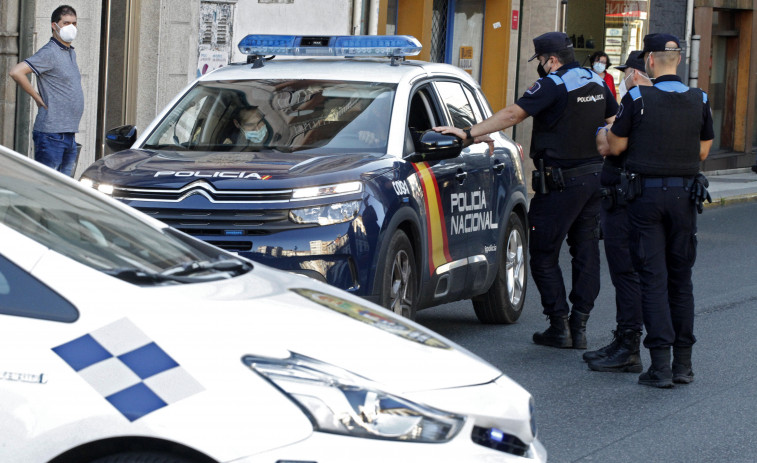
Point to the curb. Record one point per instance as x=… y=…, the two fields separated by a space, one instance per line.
x=727 y=200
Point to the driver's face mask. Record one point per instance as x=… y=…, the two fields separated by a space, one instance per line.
x=256 y=136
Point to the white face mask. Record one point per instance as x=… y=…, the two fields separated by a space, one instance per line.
x=622 y=88
x=67 y=33
x=599 y=67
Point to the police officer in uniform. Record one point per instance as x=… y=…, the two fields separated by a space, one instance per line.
x=666 y=130
x=565 y=102
x=622 y=354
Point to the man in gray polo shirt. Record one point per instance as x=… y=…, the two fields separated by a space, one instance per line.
x=60 y=98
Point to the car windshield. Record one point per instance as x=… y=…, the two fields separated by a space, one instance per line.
x=79 y=224
x=282 y=115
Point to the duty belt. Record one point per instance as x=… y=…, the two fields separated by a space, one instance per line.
x=582 y=170
x=660 y=182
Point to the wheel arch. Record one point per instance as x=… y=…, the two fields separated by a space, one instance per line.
x=403 y=219
x=114 y=445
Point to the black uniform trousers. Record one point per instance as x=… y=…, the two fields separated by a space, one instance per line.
x=572 y=212
x=663 y=246
x=616 y=235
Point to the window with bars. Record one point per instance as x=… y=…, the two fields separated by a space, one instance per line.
x=439 y=31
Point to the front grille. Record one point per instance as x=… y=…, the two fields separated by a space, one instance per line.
x=203 y=188
x=235 y=223
x=498 y=440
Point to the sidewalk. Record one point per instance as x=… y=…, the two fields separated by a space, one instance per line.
x=731 y=186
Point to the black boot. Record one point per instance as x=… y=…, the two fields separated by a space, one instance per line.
x=557 y=335
x=578 y=328
x=682 y=372
x=603 y=351
x=624 y=359
x=659 y=373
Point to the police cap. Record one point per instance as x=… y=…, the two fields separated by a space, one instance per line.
x=659 y=42
x=551 y=42
x=634 y=61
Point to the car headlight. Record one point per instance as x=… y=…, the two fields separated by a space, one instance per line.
x=326 y=215
x=101 y=187
x=341 y=402
x=327 y=190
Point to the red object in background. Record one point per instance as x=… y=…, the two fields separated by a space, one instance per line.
x=514 y=25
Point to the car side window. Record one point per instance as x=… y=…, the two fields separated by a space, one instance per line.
x=457 y=103
x=474 y=104
x=23 y=295
x=422 y=116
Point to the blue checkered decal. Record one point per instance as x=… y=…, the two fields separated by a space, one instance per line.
x=131 y=372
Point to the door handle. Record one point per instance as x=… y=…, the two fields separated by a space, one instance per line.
x=499 y=166
x=461 y=175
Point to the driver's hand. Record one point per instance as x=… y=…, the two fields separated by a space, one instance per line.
x=485 y=139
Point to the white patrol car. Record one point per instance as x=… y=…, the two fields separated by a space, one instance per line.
x=123 y=340
x=327 y=166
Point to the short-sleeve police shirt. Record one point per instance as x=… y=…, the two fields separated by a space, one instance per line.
x=629 y=113
x=547 y=101
x=59 y=85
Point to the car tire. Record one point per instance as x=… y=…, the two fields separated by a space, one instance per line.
x=399 y=281
x=142 y=457
x=503 y=302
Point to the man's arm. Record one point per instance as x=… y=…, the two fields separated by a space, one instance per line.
x=19 y=73
x=704 y=149
x=616 y=144
x=502 y=119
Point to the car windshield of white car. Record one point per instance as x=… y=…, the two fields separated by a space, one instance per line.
x=282 y=115
x=79 y=224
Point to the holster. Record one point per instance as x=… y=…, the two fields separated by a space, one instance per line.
x=538 y=179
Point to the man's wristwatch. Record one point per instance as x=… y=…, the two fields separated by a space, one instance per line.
x=466 y=131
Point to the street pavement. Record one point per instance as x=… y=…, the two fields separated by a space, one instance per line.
x=731 y=186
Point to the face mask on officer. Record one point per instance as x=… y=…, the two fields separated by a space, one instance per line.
x=67 y=33
x=540 y=68
x=599 y=67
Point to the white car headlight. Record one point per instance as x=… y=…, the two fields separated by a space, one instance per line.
x=341 y=402
x=101 y=187
x=327 y=190
x=326 y=215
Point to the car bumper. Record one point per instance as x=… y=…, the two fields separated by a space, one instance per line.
x=330 y=448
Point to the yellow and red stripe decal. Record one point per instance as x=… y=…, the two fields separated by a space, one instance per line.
x=436 y=226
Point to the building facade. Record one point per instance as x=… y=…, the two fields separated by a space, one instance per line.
x=136 y=55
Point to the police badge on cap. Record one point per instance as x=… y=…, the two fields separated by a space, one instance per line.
x=550 y=43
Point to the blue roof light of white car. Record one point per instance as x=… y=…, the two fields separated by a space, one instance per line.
x=344 y=45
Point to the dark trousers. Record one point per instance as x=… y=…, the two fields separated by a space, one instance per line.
x=625 y=279
x=663 y=245
x=573 y=212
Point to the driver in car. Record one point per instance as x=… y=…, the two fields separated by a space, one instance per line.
x=251 y=128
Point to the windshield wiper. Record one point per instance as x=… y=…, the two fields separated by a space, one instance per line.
x=137 y=276
x=232 y=266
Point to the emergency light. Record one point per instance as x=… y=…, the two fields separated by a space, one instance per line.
x=340 y=45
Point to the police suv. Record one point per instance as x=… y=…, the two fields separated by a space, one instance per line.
x=123 y=340
x=327 y=166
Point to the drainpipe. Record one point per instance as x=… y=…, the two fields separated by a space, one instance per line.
x=373 y=16
x=25 y=49
x=694 y=66
x=357 y=17
x=563 y=14
x=689 y=30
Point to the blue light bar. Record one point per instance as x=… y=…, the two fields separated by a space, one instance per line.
x=342 y=45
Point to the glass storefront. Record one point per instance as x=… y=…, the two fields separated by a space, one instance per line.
x=616 y=27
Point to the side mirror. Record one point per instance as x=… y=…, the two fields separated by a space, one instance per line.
x=434 y=146
x=121 y=138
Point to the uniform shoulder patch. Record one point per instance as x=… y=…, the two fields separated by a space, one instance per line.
x=534 y=88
